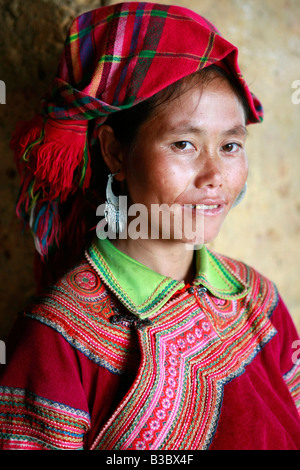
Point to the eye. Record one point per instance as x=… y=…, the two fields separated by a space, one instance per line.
x=183 y=145
x=231 y=147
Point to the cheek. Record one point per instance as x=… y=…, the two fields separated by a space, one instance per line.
x=237 y=176
x=151 y=177
x=244 y=172
x=142 y=176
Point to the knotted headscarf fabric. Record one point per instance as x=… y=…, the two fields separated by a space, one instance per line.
x=114 y=57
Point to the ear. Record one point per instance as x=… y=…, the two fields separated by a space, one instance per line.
x=112 y=151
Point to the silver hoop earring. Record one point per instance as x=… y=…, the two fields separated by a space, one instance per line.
x=240 y=196
x=115 y=216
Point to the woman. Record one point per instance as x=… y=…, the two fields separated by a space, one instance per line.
x=147 y=343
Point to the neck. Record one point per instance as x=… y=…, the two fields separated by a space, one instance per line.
x=170 y=260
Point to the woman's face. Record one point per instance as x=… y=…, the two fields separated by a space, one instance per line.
x=191 y=155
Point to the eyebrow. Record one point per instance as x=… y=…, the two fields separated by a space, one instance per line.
x=235 y=130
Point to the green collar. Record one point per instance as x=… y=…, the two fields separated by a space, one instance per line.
x=144 y=291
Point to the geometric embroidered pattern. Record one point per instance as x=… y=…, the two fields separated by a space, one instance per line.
x=193 y=348
x=33 y=423
x=194 y=345
x=79 y=307
x=292 y=379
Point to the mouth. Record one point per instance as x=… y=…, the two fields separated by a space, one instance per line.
x=206 y=209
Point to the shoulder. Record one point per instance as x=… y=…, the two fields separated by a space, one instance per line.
x=75 y=294
x=79 y=307
x=261 y=291
x=243 y=271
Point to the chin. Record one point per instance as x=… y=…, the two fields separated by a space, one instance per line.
x=211 y=237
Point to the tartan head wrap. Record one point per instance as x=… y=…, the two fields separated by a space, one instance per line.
x=114 y=57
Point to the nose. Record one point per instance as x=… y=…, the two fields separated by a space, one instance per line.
x=209 y=171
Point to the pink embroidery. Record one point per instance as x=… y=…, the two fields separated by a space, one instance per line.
x=218 y=301
x=195 y=336
x=86 y=280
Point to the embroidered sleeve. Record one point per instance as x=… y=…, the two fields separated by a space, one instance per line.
x=35 y=423
x=292 y=379
x=289 y=353
x=43 y=404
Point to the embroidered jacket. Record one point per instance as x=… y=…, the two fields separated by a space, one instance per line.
x=116 y=356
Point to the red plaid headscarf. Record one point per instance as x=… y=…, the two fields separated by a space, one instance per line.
x=114 y=57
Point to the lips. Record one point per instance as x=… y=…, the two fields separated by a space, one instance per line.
x=207 y=204
x=208 y=207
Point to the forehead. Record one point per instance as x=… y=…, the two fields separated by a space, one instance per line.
x=213 y=104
